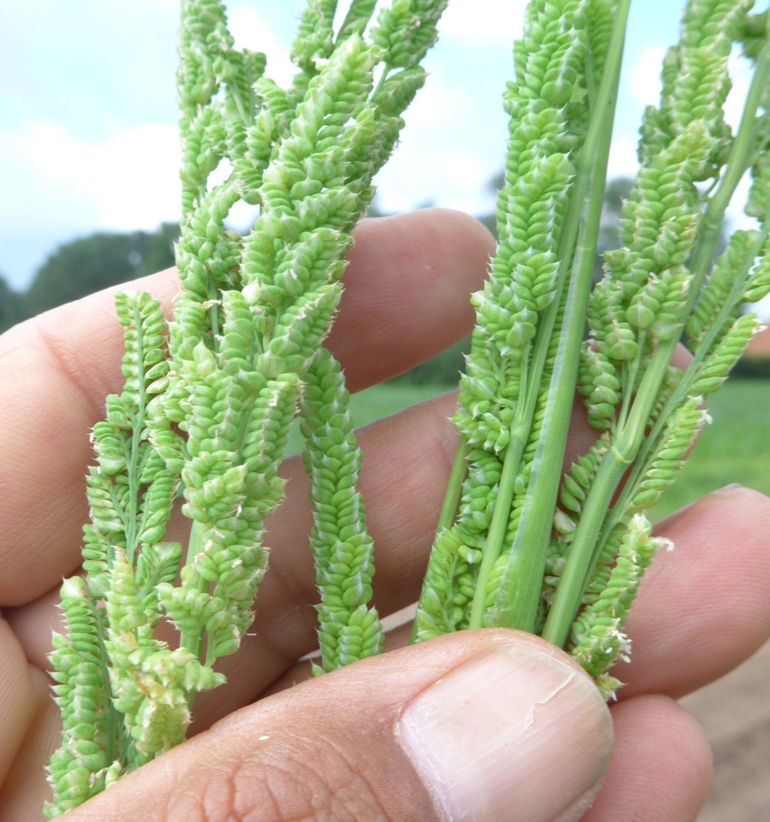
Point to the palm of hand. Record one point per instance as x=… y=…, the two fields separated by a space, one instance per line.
x=701 y=610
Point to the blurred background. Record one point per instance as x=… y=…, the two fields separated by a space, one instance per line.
x=89 y=195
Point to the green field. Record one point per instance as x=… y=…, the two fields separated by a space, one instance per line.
x=734 y=448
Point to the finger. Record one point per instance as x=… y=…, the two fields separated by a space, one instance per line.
x=406 y=299
x=479 y=725
x=301 y=671
x=25 y=789
x=407 y=292
x=19 y=698
x=702 y=608
x=661 y=764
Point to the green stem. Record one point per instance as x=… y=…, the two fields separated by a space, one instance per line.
x=113 y=723
x=521 y=426
x=585 y=548
x=519 y=434
x=631 y=374
x=531 y=382
x=518 y=600
x=193 y=640
x=133 y=461
x=381 y=82
x=454 y=487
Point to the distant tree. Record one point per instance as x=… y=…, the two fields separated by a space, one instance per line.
x=12 y=306
x=443 y=369
x=610 y=235
x=100 y=260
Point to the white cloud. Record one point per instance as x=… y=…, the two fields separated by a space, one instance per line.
x=139 y=167
x=439 y=105
x=451 y=178
x=736 y=218
x=126 y=182
x=438 y=160
x=740 y=74
x=483 y=22
x=645 y=76
x=622 y=161
x=252 y=32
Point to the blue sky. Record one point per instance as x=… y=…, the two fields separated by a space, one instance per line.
x=88 y=135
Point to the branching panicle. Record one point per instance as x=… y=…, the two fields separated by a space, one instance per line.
x=207 y=410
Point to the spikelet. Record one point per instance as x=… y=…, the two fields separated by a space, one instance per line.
x=599 y=580
x=599 y=17
x=242 y=345
x=78 y=769
x=151 y=685
x=314 y=41
x=213 y=408
x=683 y=142
x=695 y=81
x=157 y=564
x=545 y=127
x=406 y=30
x=578 y=480
x=758 y=286
x=598 y=383
x=448 y=588
x=357 y=18
x=667 y=459
x=663 y=204
x=477 y=498
x=349 y=628
x=717 y=366
x=736 y=260
x=597 y=638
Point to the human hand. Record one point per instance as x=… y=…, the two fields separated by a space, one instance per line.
x=482 y=725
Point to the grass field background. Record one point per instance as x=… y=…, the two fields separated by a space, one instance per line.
x=734 y=448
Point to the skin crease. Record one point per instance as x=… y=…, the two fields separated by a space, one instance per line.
x=701 y=610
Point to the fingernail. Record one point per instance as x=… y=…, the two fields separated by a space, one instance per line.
x=515 y=734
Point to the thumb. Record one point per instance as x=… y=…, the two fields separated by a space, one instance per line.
x=488 y=724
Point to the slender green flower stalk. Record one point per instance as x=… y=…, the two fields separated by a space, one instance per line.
x=207 y=407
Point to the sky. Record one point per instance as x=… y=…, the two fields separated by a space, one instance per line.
x=88 y=127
